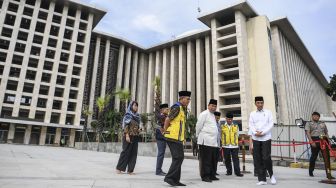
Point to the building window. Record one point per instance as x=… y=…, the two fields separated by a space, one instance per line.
x=31 y=2
x=19 y=47
x=44 y=90
x=48 y=65
x=28 y=11
x=59 y=6
x=46 y=77
x=12 y=85
x=68 y=34
x=84 y=15
x=6 y=32
x=52 y=42
x=79 y=49
x=39 y=115
x=13 y=7
x=35 y=51
x=42 y=103
x=23 y=36
x=73 y=94
x=66 y=45
x=57 y=19
x=3 y=57
x=37 y=39
x=71 y=106
x=81 y=37
x=43 y=15
x=55 y=117
x=1 y=70
x=70 y=22
x=14 y=72
x=45 y=4
x=82 y=26
x=9 y=98
x=17 y=60
x=30 y=75
x=57 y=105
x=28 y=88
x=40 y=27
x=23 y=113
x=62 y=68
x=76 y=71
x=33 y=62
x=26 y=100
x=72 y=11
x=54 y=30
x=4 y=44
x=69 y=119
x=60 y=80
x=64 y=57
x=50 y=54
x=74 y=82
x=78 y=60
x=59 y=92
x=6 y=112
x=10 y=19
x=25 y=23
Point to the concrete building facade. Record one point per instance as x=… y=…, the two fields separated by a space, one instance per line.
x=52 y=63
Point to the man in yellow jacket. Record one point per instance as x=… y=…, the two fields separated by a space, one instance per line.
x=174 y=131
x=230 y=145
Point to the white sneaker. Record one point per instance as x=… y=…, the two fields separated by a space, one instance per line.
x=273 y=180
x=262 y=183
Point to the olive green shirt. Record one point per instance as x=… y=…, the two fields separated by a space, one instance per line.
x=316 y=129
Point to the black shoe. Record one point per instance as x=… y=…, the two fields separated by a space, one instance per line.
x=180 y=184
x=331 y=177
x=161 y=174
x=240 y=175
x=214 y=178
x=228 y=174
x=216 y=174
x=170 y=182
x=311 y=174
x=207 y=180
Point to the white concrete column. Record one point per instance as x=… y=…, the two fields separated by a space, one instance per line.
x=150 y=92
x=126 y=78
x=208 y=69
x=94 y=79
x=105 y=68
x=200 y=78
x=80 y=94
x=43 y=136
x=165 y=75
x=214 y=33
x=72 y=138
x=191 y=77
x=158 y=64
x=144 y=83
x=134 y=75
x=182 y=78
x=140 y=83
x=11 y=133
x=58 y=136
x=174 y=75
x=119 y=74
x=27 y=134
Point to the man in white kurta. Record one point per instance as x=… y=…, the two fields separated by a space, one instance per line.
x=207 y=139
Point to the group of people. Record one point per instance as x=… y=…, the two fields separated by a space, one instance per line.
x=212 y=135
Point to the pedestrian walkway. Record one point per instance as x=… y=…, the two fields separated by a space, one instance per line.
x=57 y=167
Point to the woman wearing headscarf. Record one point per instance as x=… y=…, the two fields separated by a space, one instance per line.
x=131 y=123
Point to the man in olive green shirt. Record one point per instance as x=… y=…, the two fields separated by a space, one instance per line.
x=314 y=130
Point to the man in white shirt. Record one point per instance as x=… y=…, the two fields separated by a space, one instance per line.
x=260 y=125
x=207 y=139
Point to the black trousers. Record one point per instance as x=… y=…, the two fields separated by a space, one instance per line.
x=262 y=158
x=218 y=157
x=315 y=151
x=176 y=150
x=208 y=161
x=228 y=154
x=128 y=155
x=161 y=148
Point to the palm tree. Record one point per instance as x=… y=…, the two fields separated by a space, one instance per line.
x=102 y=103
x=124 y=95
x=157 y=98
x=86 y=113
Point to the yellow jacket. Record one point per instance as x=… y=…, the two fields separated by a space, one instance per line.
x=230 y=135
x=176 y=129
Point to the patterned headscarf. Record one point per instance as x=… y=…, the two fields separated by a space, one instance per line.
x=130 y=115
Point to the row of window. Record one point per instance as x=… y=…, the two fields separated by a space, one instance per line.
x=39 y=115
x=45 y=4
x=41 y=102
x=39 y=28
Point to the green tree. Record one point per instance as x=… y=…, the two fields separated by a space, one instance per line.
x=102 y=103
x=86 y=112
x=331 y=87
x=157 y=97
x=113 y=124
x=191 y=127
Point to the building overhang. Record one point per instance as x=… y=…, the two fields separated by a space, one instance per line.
x=98 y=13
x=27 y=122
x=242 y=6
x=288 y=30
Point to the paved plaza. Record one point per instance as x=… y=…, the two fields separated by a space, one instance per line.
x=49 y=167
